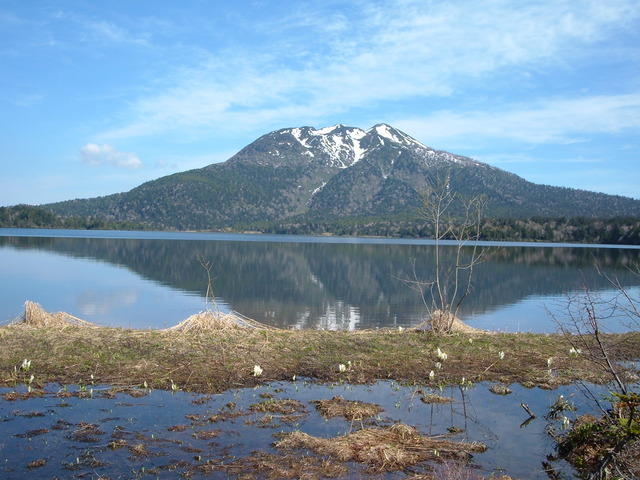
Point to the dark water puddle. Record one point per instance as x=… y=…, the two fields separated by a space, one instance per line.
x=152 y=433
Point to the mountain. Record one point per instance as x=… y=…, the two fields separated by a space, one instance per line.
x=334 y=172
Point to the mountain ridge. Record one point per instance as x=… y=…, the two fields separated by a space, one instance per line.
x=334 y=172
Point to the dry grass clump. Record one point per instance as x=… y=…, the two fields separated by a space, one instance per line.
x=285 y=406
x=500 y=390
x=446 y=322
x=430 y=398
x=272 y=466
x=350 y=410
x=383 y=448
x=35 y=316
x=210 y=320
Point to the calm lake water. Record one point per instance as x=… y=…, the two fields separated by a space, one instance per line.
x=156 y=279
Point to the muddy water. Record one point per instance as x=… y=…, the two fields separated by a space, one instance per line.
x=91 y=431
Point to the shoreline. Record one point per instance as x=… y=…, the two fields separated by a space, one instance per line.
x=219 y=359
x=126 y=364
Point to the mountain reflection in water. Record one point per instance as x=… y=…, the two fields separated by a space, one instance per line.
x=291 y=282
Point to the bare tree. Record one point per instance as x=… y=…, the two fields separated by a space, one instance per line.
x=588 y=316
x=451 y=218
x=585 y=326
x=209 y=298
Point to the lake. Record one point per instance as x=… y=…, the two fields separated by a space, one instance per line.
x=157 y=279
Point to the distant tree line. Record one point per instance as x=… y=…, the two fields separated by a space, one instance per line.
x=29 y=216
x=613 y=231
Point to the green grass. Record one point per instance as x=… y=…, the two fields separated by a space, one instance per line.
x=219 y=360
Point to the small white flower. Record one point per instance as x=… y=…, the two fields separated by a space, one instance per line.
x=549 y=361
x=501 y=355
x=441 y=355
x=438 y=365
x=26 y=364
x=566 y=422
x=342 y=368
x=574 y=351
x=432 y=375
x=257 y=370
x=400 y=329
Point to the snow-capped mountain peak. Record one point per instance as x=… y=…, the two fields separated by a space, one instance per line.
x=347 y=145
x=339 y=142
x=388 y=132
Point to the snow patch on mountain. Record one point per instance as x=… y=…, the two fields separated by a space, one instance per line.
x=385 y=131
x=316 y=191
x=340 y=143
x=345 y=146
x=326 y=130
x=297 y=133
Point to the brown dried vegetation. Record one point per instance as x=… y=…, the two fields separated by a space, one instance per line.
x=397 y=447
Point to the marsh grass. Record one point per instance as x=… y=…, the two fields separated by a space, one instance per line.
x=37 y=317
x=397 y=447
x=443 y=321
x=348 y=409
x=215 y=320
x=274 y=466
x=285 y=406
x=214 y=361
x=201 y=357
x=431 y=398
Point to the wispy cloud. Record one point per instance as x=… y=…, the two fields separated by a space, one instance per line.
x=28 y=100
x=100 y=31
x=543 y=121
x=390 y=51
x=99 y=155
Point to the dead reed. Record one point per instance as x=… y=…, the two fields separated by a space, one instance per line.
x=397 y=447
x=446 y=322
x=36 y=317
x=348 y=409
x=215 y=320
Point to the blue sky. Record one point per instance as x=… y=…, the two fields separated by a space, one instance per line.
x=99 y=97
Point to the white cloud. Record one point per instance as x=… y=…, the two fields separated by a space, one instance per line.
x=97 y=155
x=99 y=31
x=390 y=51
x=542 y=121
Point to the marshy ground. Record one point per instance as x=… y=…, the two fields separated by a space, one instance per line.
x=211 y=361
x=214 y=361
